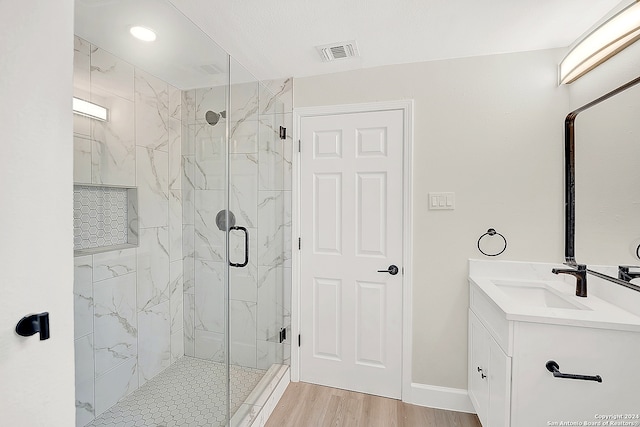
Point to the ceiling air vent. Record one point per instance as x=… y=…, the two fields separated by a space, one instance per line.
x=334 y=51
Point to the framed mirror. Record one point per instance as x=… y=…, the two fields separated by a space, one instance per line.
x=602 y=182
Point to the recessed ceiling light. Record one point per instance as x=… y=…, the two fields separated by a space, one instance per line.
x=142 y=33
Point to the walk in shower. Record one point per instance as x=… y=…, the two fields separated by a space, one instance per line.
x=181 y=224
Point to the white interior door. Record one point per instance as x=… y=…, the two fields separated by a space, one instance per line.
x=36 y=218
x=351 y=227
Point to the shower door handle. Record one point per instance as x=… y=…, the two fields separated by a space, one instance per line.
x=246 y=246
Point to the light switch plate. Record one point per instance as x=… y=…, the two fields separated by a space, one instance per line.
x=442 y=201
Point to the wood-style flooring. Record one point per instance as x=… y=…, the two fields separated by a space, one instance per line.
x=310 y=405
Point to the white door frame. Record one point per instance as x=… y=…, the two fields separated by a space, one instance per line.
x=406 y=106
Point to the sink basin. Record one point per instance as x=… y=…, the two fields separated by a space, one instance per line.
x=529 y=292
x=537 y=295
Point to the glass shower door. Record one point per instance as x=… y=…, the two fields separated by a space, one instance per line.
x=256 y=244
x=205 y=195
x=202 y=296
x=234 y=238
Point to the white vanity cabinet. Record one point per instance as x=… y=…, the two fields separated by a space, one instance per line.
x=489 y=376
x=509 y=384
x=538 y=398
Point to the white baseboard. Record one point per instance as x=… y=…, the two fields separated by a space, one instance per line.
x=451 y=399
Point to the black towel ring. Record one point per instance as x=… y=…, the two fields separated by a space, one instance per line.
x=638 y=251
x=492 y=232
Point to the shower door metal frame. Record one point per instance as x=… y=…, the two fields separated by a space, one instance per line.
x=227 y=181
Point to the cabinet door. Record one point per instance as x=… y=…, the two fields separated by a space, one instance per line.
x=539 y=398
x=478 y=366
x=499 y=386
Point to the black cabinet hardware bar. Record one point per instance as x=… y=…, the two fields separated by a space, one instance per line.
x=552 y=366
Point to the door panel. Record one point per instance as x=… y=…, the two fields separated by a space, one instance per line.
x=327 y=144
x=371 y=224
x=327 y=321
x=372 y=142
x=327 y=221
x=351 y=215
x=371 y=312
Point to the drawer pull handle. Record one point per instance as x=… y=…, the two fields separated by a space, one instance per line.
x=552 y=366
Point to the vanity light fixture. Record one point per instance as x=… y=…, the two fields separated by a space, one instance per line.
x=89 y=109
x=143 y=33
x=610 y=38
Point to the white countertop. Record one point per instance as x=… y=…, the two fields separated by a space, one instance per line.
x=595 y=312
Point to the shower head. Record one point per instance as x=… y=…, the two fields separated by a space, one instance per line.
x=212 y=117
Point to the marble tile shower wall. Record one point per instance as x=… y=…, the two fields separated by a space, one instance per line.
x=260 y=198
x=128 y=303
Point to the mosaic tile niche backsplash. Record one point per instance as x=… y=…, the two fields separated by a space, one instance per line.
x=99 y=217
x=102 y=217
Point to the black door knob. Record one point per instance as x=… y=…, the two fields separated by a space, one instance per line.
x=392 y=270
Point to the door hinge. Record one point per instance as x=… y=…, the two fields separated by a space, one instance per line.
x=298 y=340
x=283 y=132
x=282 y=335
x=299 y=243
x=299 y=145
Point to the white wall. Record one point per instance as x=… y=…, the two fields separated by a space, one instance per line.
x=489 y=129
x=36 y=243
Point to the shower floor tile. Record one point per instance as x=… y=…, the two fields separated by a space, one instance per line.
x=191 y=392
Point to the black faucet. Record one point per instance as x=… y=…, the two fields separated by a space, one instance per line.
x=625 y=274
x=581 y=277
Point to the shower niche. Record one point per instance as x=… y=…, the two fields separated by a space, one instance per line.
x=104 y=218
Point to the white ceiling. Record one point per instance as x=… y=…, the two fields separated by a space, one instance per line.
x=277 y=38
x=182 y=54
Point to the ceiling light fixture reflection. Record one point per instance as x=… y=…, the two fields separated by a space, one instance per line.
x=143 y=33
x=89 y=109
x=610 y=38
